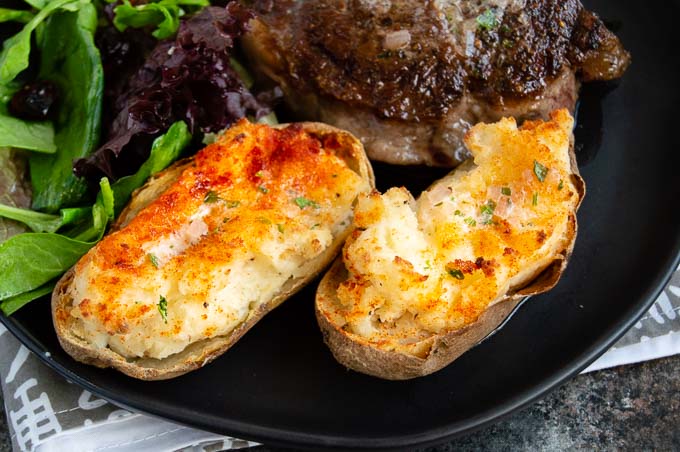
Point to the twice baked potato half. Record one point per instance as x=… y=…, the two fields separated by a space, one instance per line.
x=422 y=281
x=209 y=246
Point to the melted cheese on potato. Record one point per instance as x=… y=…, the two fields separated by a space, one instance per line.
x=239 y=222
x=419 y=268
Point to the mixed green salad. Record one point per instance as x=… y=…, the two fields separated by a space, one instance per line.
x=95 y=97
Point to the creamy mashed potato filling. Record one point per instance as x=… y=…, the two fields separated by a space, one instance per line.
x=419 y=268
x=240 y=221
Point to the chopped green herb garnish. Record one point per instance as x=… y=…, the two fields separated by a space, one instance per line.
x=385 y=54
x=153 y=259
x=487 y=212
x=506 y=191
x=508 y=44
x=427 y=265
x=263 y=189
x=163 y=308
x=264 y=220
x=487 y=20
x=439 y=203
x=304 y=202
x=226 y=220
x=279 y=226
x=456 y=273
x=259 y=174
x=232 y=204
x=458 y=213
x=560 y=186
x=540 y=171
x=211 y=197
x=316 y=226
x=470 y=221
x=534 y=200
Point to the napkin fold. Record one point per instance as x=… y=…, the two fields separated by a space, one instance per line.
x=47 y=413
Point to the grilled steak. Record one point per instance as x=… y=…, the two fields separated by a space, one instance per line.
x=410 y=77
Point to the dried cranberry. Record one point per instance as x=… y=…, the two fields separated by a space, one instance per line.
x=34 y=101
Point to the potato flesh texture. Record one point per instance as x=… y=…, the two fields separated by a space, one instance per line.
x=220 y=260
x=404 y=281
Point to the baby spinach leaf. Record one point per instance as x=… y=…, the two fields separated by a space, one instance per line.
x=27 y=261
x=15 y=15
x=13 y=304
x=32 y=135
x=164 y=150
x=16 y=49
x=70 y=59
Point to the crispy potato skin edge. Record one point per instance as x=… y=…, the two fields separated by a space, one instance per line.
x=200 y=353
x=354 y=353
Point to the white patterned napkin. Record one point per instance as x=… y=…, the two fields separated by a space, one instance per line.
x=46 y=413
x=655 y=335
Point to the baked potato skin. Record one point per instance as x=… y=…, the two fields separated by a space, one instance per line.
x=202 y=352
x=357 y=353
x=363 y=357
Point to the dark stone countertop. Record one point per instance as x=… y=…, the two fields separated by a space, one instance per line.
x=630 y=407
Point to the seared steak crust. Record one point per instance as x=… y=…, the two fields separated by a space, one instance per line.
x=421 y=61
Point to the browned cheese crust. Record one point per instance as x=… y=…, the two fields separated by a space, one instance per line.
x=363 y=356
x=202 y=352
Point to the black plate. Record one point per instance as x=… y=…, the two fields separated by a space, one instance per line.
x=280 y=384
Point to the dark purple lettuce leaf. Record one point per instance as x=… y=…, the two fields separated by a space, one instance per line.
x=188 y=78
x=123 y=54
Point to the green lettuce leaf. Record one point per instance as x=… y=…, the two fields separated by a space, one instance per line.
x=37 y=4
x=163 y=14
x=45 y=222
x=15 y=15
x=164 y=150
